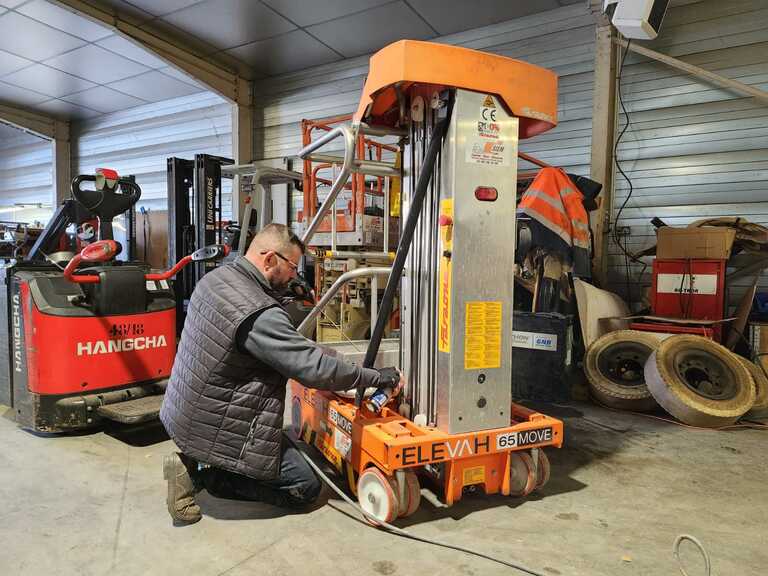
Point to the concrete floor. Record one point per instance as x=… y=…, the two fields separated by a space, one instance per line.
x=622 y=489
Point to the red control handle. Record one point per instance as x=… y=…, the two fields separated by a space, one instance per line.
x=100 y=251
x=170 y=273
x=104 y=250
x=213 y=252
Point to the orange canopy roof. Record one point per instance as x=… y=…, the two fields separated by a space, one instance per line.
x=529 y=92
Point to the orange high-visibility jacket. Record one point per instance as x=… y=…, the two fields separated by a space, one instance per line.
x=555 y=202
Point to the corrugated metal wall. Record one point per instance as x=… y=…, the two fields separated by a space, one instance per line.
x=138 y=141
x=26 y=175
x=694 y=150
x=562 y=40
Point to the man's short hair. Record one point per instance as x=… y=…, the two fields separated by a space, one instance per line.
x=277 y=237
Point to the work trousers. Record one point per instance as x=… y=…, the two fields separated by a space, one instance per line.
x=296 y=485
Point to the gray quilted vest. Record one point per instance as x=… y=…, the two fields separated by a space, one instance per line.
x=222 y=406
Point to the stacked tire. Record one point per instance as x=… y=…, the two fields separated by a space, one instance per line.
x=614 y=367
x=759 y=409
x=696 y=380
x=699 y=382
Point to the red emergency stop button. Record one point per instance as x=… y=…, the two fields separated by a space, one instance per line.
x=445 y=220
x=486 y=194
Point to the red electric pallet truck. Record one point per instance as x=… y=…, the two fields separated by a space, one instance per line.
x=93 y=340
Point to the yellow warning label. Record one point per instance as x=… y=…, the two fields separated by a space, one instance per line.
x=444 y=317
x=444 y=292
x=488 y=102
x=482 y=335
x=326 y=447
x=394 y=190
x=474 y=475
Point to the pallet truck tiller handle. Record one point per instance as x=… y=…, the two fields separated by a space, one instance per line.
x=212 y=252
x=105 y=201
x=100 y=251
x=105 y=250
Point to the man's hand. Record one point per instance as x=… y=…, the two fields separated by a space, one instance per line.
x=299 y=289
x=400 y=384
x=392 y=377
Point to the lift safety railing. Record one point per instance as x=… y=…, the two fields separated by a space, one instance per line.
x=349 y=134
x=349 y=164
x=306 y=325
x=260 y=175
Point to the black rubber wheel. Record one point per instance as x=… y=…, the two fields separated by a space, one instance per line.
x=699 y=382
x=760 y=407
x=614 y=368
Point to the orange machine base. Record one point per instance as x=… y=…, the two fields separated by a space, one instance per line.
x=354 y=439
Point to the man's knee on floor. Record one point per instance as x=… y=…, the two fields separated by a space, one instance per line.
x=314 y=488
x=307 y=491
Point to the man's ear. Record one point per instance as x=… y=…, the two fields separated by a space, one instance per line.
x=267 y=260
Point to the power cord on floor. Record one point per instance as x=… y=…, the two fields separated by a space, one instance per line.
x=400 y=531
x=676 y=553
x=520 y=568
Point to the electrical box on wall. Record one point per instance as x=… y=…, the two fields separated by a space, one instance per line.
x=639 y=19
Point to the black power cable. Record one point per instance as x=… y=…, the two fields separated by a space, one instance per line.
x=385 y=526
x=627 y=123
x=406 y=238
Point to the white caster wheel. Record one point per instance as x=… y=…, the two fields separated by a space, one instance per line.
x=542 y=469
x=522 y=480
x=412 y=494
x=377 y=495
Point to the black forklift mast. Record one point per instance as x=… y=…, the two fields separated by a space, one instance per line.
x=130 y=230
x=194 y=218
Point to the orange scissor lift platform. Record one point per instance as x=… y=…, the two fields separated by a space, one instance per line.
x=384 y=455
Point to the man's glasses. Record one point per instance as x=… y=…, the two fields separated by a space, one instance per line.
x=293 y=265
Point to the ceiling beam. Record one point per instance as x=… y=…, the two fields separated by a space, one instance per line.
x=30 y=121
x=217 y=77
x=729 y=83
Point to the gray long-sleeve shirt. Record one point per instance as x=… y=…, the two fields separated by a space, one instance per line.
x=271 y=337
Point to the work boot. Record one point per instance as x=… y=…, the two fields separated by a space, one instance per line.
x=181 y=491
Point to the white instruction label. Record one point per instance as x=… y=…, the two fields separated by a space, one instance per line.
x=342 y=443
x=485 y=144
x=686 y=283
x=534 y=341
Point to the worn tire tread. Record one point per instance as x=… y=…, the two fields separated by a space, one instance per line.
x=760 y=407
x=636 y=398
x=683 y=403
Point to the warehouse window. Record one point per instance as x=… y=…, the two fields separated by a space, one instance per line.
x=26 y=187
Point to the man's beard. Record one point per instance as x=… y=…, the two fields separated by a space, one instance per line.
x=280 y=287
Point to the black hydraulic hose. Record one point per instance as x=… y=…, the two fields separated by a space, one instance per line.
x=427 y=167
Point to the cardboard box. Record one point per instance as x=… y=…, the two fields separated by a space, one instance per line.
x=705 y=242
